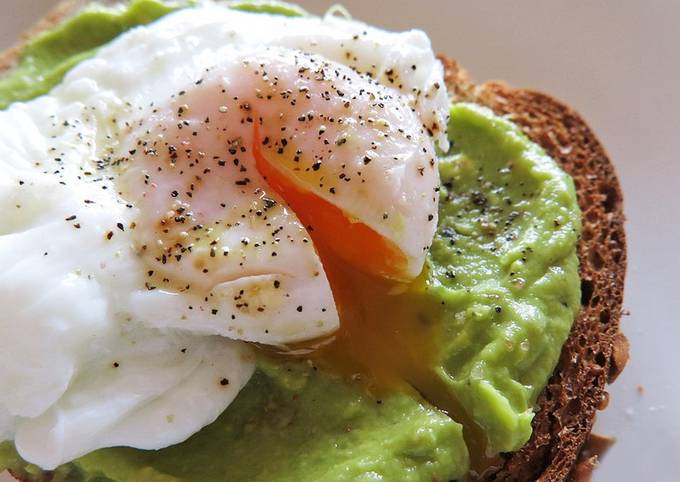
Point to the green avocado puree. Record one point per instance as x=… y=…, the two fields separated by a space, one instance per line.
x=502 y=274
x=505 y=259
x=293 y=424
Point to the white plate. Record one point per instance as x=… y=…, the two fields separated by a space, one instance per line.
x=618 y=63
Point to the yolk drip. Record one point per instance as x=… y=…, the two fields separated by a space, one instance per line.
x=387 y=341
x=388 y=332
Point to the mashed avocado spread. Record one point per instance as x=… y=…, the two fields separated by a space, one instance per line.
x=500 y=294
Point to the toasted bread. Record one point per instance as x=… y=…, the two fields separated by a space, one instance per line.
x=562 y=447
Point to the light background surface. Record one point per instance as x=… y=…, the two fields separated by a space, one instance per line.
x=618 y=63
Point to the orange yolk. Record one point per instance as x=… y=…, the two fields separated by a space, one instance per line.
x=353 y=242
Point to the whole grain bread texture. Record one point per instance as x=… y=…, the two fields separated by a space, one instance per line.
x=562 y=446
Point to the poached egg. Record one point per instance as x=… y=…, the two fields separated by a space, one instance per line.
x=162 y=206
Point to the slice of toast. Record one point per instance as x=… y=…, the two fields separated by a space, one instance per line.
x=562 y=446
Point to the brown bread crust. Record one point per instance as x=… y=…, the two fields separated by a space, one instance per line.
x=10 y=56
x=596 y=351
